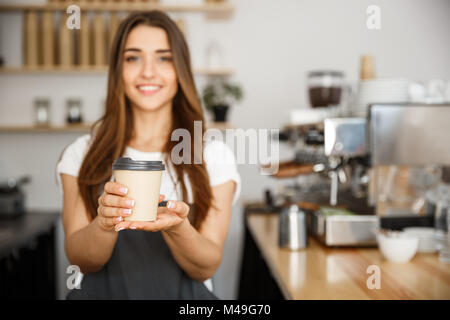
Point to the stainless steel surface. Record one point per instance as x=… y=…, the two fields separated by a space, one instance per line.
x=442 y=215
x=11 y=183
x=435 y=195
x=345 y=137
x=334 y=188
x=345 y=230
x=351 y=230
x=406 y=134
x=12 y=197
x=413 y=138
x=402 y=190
x=292 y=229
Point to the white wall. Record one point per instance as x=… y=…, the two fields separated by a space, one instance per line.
x=271 y=45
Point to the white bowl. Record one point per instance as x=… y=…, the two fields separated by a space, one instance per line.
x=428 y=242
x=397 y=247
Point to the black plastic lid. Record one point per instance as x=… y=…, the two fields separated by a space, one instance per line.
x=138 y=165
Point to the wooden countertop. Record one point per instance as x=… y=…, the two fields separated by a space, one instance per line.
x=319 y=272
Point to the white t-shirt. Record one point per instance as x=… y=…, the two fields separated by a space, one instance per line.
x=219 y=160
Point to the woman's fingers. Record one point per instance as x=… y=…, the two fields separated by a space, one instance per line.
x=108 y=223
x=144 y=225
x=111 y=212
x=179 y=207
x=113 y=206
x=152 y=226
x=168 y=217
x=115 y=188
x=110 y=200
x=161 y=198
x=123 y=225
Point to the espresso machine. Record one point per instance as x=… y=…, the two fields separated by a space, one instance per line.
x=376 y=170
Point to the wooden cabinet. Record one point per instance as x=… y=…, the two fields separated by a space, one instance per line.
x=58 y=48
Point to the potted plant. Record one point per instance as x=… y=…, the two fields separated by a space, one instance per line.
x=218 y=97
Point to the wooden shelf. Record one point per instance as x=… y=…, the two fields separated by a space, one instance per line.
x=211 y=9
x=219 y=125
x=108 y=6
x=55 y=69
x=100 y=69
x=214 y=71
x=64 y=128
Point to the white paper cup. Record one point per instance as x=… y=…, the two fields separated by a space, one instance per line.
x=143 y=180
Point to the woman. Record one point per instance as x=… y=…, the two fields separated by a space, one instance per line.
x=151 y=93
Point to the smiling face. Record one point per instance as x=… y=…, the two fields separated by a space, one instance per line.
x=149 y=75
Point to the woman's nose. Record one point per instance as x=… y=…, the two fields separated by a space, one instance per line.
x=148 y=69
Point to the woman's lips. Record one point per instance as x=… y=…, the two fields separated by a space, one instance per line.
x=148 y=90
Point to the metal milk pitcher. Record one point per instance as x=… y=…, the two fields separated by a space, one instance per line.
x=292 y=228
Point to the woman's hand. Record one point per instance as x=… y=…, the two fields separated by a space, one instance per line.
x=113 y=206
x=173 y=215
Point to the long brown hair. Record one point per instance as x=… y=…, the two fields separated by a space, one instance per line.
x=112 y=132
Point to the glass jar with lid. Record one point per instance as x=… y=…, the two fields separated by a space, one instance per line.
x=325 y=88
x=41 y=112
x=74 y=112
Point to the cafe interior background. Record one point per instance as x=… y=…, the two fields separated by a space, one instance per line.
x=267 y=47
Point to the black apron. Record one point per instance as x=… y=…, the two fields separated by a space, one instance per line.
x=141 y=267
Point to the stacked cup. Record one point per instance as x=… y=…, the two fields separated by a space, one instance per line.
x=380 y=91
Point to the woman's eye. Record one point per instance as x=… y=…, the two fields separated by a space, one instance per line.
x=131 y=58
x=165 y=58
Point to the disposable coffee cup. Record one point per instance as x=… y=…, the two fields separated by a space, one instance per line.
x=143 y=180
